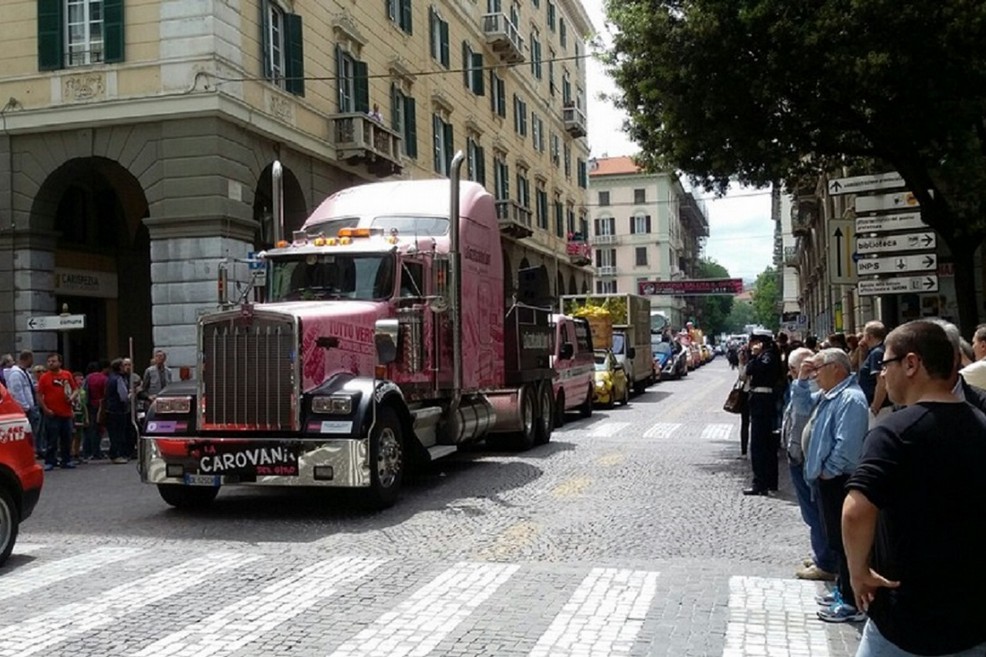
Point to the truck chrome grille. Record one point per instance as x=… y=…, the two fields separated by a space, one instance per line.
x=247 y=377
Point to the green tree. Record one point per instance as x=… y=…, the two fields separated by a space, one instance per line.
x=712 y=312
x=765 y=90
x=766 y=294
x=740 y=316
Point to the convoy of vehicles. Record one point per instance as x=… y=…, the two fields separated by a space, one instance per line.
x=611 y=380
x=21 y=477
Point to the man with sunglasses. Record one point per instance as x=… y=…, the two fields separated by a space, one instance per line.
x=911 y=520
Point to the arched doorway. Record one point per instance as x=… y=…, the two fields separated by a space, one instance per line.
x=295 y=209
x=572 y=287
x=560 y=284
x=102 y=258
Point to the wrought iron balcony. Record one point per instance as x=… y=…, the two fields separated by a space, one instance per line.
x=359 y=139
x=579 y=252
x=574 y=120
x=514 y=219
x=504 y=38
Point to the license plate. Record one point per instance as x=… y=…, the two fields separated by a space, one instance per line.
x=202 y=480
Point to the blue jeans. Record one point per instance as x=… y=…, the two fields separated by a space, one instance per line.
x=92 y=441
x=58 y=431
x=823 y=556
x=874 y=644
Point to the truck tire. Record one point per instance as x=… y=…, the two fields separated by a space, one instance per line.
x=585 y=410
x=387 y=460
x=560 y=409
x=9 y=523
x=546 y=413
x=187 y=497
x=526 y=438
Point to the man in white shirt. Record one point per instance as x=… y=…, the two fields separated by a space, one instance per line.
x=21 y=387
x=975 y=373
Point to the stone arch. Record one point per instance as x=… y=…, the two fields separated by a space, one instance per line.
x=572 y=286
x=560 y=284
x=295 y=207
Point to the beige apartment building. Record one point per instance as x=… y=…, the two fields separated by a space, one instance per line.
x=137 y=137
x=645 y=227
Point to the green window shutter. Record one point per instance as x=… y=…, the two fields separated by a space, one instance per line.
x=477 y=74
x=395 y=98
x=295 y=55
x=481 y=165
x=466 y=64
x=340 y=82
x=443 y=28
x=431 y=30
x=501 y=98
x=265 y=38
x=361 y=85
x=412 y=127
x=436 y=126
x=449 y=150
x=492 y=91
x=406 y=16
x=50 y=34
x=113 y=39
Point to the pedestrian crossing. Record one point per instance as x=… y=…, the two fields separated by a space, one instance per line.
x=660 y=430
x=412 y=609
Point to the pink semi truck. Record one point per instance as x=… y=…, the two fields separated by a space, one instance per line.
x=384 y=341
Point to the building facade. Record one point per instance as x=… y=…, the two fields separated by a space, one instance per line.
x=645 y=227
x=137 y=142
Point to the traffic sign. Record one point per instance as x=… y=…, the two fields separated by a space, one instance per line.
x=856 y=184
x=56 y=323
x=898 y=264
x=888 y=223
x=899 y=285
x=254 y=261
x=892 y=243
x=840 y=241
x=881 y=202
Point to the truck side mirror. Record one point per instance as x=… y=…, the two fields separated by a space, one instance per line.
x=566 y=351
x=631 y=353
x=385 y=336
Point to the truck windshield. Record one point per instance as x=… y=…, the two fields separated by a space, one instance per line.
x=618 y=343
x=363 y=277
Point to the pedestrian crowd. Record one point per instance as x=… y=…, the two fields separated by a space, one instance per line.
x=71 y=413
x=885 y=437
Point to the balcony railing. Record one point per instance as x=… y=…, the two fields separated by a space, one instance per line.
x=503 y=37
x=514 y=219
x=574 y=120
x=360 y=139
x=579 y=252
x=604 y=239
x=606 y=270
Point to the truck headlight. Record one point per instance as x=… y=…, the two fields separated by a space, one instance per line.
x=332 y=405
x=173 y=405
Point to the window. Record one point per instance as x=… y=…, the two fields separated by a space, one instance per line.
x=498 y=95
x=640 y=224
x=603 y=199
x=536 y=3
x=641 y=256
x=566 y=89
x=284 y=58
x=520 y=116
x=570 y=217
x=583 y=174
x=443 y=144
x=501 y=178
x=555 y=149
x=515 y=13
x=523 y=189
x=541 y=198
x=537 y=132
x=79 y=33
x=493 y=7
x=438 y=37
x=475 y=161
x=606 y=287
x=578 y=54
x=605 y=226
x=605 y=257
x=559 y=218
x=353 y=80
x=472 y=70
x=568 y=162
x=403 y=120
x=551 y=16
x=399 y=12
x=535 y=55
x=551 y=72
x=562 y=32
x=640 y=196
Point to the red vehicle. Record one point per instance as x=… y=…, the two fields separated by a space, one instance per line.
x=20 y=476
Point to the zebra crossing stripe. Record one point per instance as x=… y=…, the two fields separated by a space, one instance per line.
x=765 y=612
x=416 y=626
x=236 y=625
x=603 y=616
x=22 y=549
x=39 y=633
x=662 y=430
x=32 y=579
x=608 y=429
x=717 y=432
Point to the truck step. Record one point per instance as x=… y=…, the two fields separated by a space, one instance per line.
x=439 y=451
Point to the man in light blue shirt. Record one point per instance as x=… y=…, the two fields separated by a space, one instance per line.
x=834 y=442
x=21 y=388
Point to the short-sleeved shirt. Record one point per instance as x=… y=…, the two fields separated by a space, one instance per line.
x=96 y=383
x=869 y=371
x=56 y=389
x=922 y=467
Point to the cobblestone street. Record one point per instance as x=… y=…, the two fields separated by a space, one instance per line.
x=625 y=535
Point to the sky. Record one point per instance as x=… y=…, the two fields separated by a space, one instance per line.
x=740 y=231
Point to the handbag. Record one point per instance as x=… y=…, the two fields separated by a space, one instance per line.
x=736 y=401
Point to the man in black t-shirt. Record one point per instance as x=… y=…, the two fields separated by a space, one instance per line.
x=912 y=520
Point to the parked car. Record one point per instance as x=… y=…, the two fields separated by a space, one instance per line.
x=612 y=383
x=21 y=476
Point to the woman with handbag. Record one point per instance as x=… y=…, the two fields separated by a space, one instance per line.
x=743 y=385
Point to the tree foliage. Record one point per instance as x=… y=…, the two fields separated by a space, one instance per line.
x=766 y=90
x=712 y=311
x=766 y=294
x=740 y=317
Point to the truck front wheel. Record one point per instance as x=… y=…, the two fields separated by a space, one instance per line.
x=187 y=497
x=386 y=460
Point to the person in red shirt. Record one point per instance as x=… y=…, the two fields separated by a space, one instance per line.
x=55 y=390
x=96 y=387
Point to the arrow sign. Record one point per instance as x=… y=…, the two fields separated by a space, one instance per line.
x=898 y=264
x=886 y=223
x=838 y=252
x=856 y=184
x=899 y=285
x=56 y=323
x=895 y=243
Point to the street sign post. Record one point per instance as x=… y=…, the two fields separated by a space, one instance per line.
x=840 y=241
x=897 y=264
x=857 y=184
x=893 y=243
x=899 y=285
x=695 y=287
x=889 y=223
x=56 y=323
x=882 y=202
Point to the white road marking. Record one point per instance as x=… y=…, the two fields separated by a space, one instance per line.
x=39 y=633
x=236 y=625
x=603 y=616
x=717 y=432
x=662 y=430
x=417 y=625
x=32 y=579
x=28 y=548
x=607 y=429
x=767 y=615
